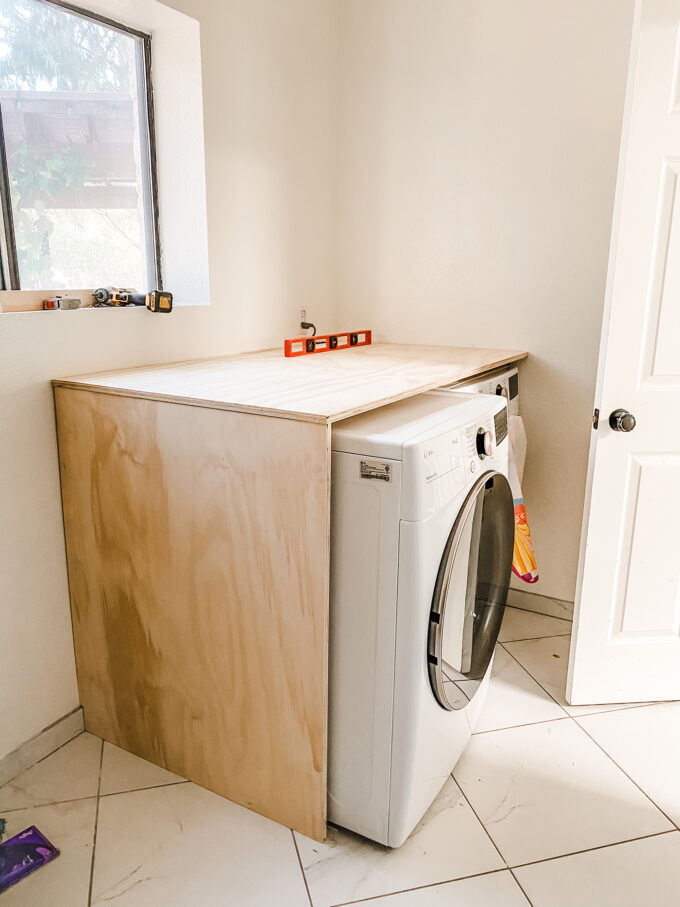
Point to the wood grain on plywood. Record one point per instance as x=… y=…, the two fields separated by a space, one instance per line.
x=321 y=388
x=197 y=544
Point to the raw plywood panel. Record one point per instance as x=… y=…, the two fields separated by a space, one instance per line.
x=321 y=387
x=197 y=545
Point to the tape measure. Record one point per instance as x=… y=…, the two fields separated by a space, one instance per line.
x=324 y=343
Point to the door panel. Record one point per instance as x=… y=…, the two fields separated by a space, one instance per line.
x=661 y=350
x=648 y=604
x=626 y=637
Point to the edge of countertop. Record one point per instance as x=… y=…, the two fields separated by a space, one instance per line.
x=75 y=382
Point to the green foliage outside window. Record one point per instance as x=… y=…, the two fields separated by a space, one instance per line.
x=45 y=49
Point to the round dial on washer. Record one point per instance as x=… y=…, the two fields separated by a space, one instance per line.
x=484 y=443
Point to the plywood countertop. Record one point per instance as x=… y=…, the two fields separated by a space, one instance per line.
x=324 y=387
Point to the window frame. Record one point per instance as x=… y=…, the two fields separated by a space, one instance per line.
x=9 y=272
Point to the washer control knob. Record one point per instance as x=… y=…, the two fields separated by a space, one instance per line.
x=484 y=443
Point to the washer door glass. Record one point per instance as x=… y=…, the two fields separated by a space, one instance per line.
x=471 y=591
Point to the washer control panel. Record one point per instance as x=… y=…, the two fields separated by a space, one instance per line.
x=462 y=452
x=439 y=467
x=480 y=442
x=444 y=456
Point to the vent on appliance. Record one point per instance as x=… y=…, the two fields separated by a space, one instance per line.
x=513 y=386
x=500 y=424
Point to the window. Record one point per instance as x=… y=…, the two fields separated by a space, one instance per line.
x=77 y=151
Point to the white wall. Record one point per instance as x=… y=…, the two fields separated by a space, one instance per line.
x=269 y=72
x=479 y=146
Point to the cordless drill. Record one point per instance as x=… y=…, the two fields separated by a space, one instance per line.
x=155 y=300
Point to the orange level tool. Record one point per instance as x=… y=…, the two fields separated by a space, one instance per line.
x=301 y=346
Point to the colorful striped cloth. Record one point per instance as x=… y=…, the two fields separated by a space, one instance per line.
x=523 y=559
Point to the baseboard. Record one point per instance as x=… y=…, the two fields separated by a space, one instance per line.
x=44 y=743
x=542 y=604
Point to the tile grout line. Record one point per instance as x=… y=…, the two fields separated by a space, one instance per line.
x=621 y=769
x=547 y=692
x=96 y=823
x=623 y=707
x=79 y=734
x=17 y=809
x=137 y=790
x=520 y=886
x=51 y=753
x=488 y=834
x=511 y=727
x=389 y=894
x=115 y=793
x=576 y=853
x=302 y=868
x=530 y=638
x=540 y=613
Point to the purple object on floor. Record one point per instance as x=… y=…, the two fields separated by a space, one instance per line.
x=22 y=854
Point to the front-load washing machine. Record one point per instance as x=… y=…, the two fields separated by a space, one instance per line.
x=422 y=531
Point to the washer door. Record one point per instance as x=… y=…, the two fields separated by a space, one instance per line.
x=471 y=591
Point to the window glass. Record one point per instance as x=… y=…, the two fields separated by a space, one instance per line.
x=74 y=112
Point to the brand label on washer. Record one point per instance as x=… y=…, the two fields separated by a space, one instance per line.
x=375 y=469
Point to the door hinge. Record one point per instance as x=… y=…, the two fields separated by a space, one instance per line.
x=596 y=419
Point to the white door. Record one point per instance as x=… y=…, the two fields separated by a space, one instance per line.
x=626 y=639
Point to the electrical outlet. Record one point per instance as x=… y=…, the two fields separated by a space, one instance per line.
x=302 y=316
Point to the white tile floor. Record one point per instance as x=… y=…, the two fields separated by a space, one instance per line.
x=550 y=805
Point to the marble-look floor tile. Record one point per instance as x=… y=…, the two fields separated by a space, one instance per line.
x=625 y=875
x=69 y=773
x=513 y=697
x=498 y=889
x=528 y=625
x=448 y=843
x=181 y=844
x=541 y=604
x=546 y=790
x=65 y=881
x=646 y=744
x=122 y=771
x=547 y=660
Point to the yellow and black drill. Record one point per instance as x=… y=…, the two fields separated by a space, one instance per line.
x=155 y=300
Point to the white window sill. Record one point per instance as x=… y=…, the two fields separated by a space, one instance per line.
x=21 y=302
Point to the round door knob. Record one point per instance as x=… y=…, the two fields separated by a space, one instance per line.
x=484 y=443
x=622 y=420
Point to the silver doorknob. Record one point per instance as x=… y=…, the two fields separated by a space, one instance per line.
x=622 y=420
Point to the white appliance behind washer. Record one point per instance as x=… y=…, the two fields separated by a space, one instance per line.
x=421 y=549
x=504 y=382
